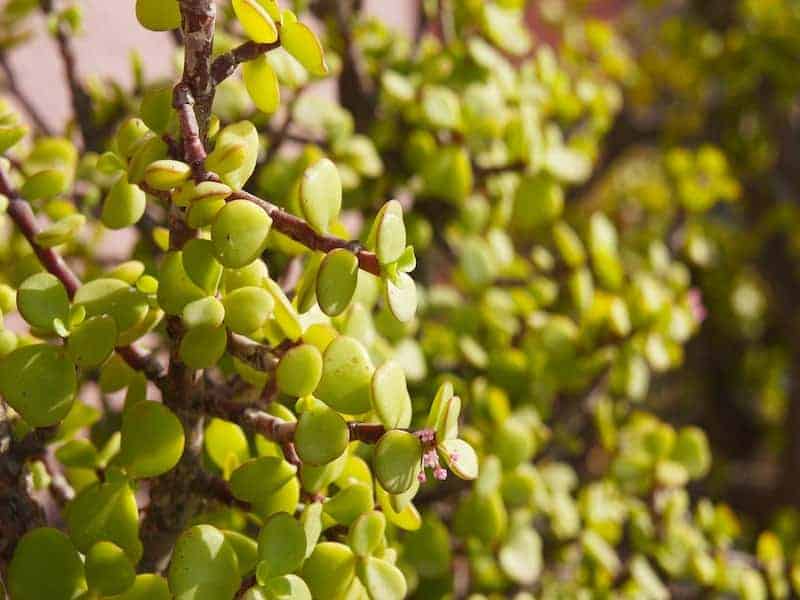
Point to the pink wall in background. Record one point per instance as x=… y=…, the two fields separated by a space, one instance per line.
x=111 y=32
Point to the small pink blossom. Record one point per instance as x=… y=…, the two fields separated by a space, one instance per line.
x=440 y=473
x=696 y=306
x=421 y=477
x=429 y=459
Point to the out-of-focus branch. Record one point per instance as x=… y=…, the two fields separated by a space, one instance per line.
x=22 y=98
x=81 y=101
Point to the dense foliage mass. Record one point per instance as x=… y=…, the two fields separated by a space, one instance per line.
x=451 y=336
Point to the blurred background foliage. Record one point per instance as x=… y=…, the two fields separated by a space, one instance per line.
x=602 y=198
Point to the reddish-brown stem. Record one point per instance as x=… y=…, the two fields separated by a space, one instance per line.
x=22 y=215
x=193 y=149
x=199 y=18
x=282 y=432
x=300 y=231
x=225 y=64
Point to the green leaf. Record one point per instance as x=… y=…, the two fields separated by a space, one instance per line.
x=262 y=84
x=521 y=556
x=79 y=453
x=223 y=440
x=287 y=587
x=256 y=21
x=349 y=503
x=367 y=533
x=303 y=44
x=299 y=371
x=401 y=297
x=239 y=233
x=459 y=457
x=407 y=518
x=281 y=546
x=46 y=183
x=113 y=297
x=285 y=314
x=203 y=346
x=246 y=550
x=261 y=476
x=40 y=551
x=105 y=512
x=346 y=376
x=42 y=298
x=322 y=435
x=329 y=570
x=62 y=231
x=235 y=154
x=158 y=15
x=147 y=587
x=201 y=265
x=247 y=309
x=336 y=281
x=108 y=570
x=390 y=233
x=203 y=566
x=152 y=440
x=390 y=398
x=321 y=194
x=38 y=382
x=382 y=579
x=93 y=341
x=124 y=205
x=166 y=174
x=205 y=312
x=442 y=108
x=428 y=548
x=398 y=459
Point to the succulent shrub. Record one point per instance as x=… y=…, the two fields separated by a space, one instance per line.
x=420 y=341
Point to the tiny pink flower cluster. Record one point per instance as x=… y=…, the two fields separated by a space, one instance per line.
x=696 y=306
x=430 y=460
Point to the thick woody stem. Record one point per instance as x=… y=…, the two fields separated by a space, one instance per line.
x=300 y=231
x=193 y=148
x=174 y=496
x=19 y=512
x=22 y=215
x=199 y=18
x=225 y=64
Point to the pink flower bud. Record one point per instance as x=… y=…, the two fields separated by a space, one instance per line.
x=440 y=474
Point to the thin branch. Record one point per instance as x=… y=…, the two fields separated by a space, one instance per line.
x=300 y=231
x=81 y=101
x=22 y=215
x=357 y=90
x=278 y=137
x=22 y=98
x=225 y=64
x=258 y=356
x=281 y=432
x=482 y=172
